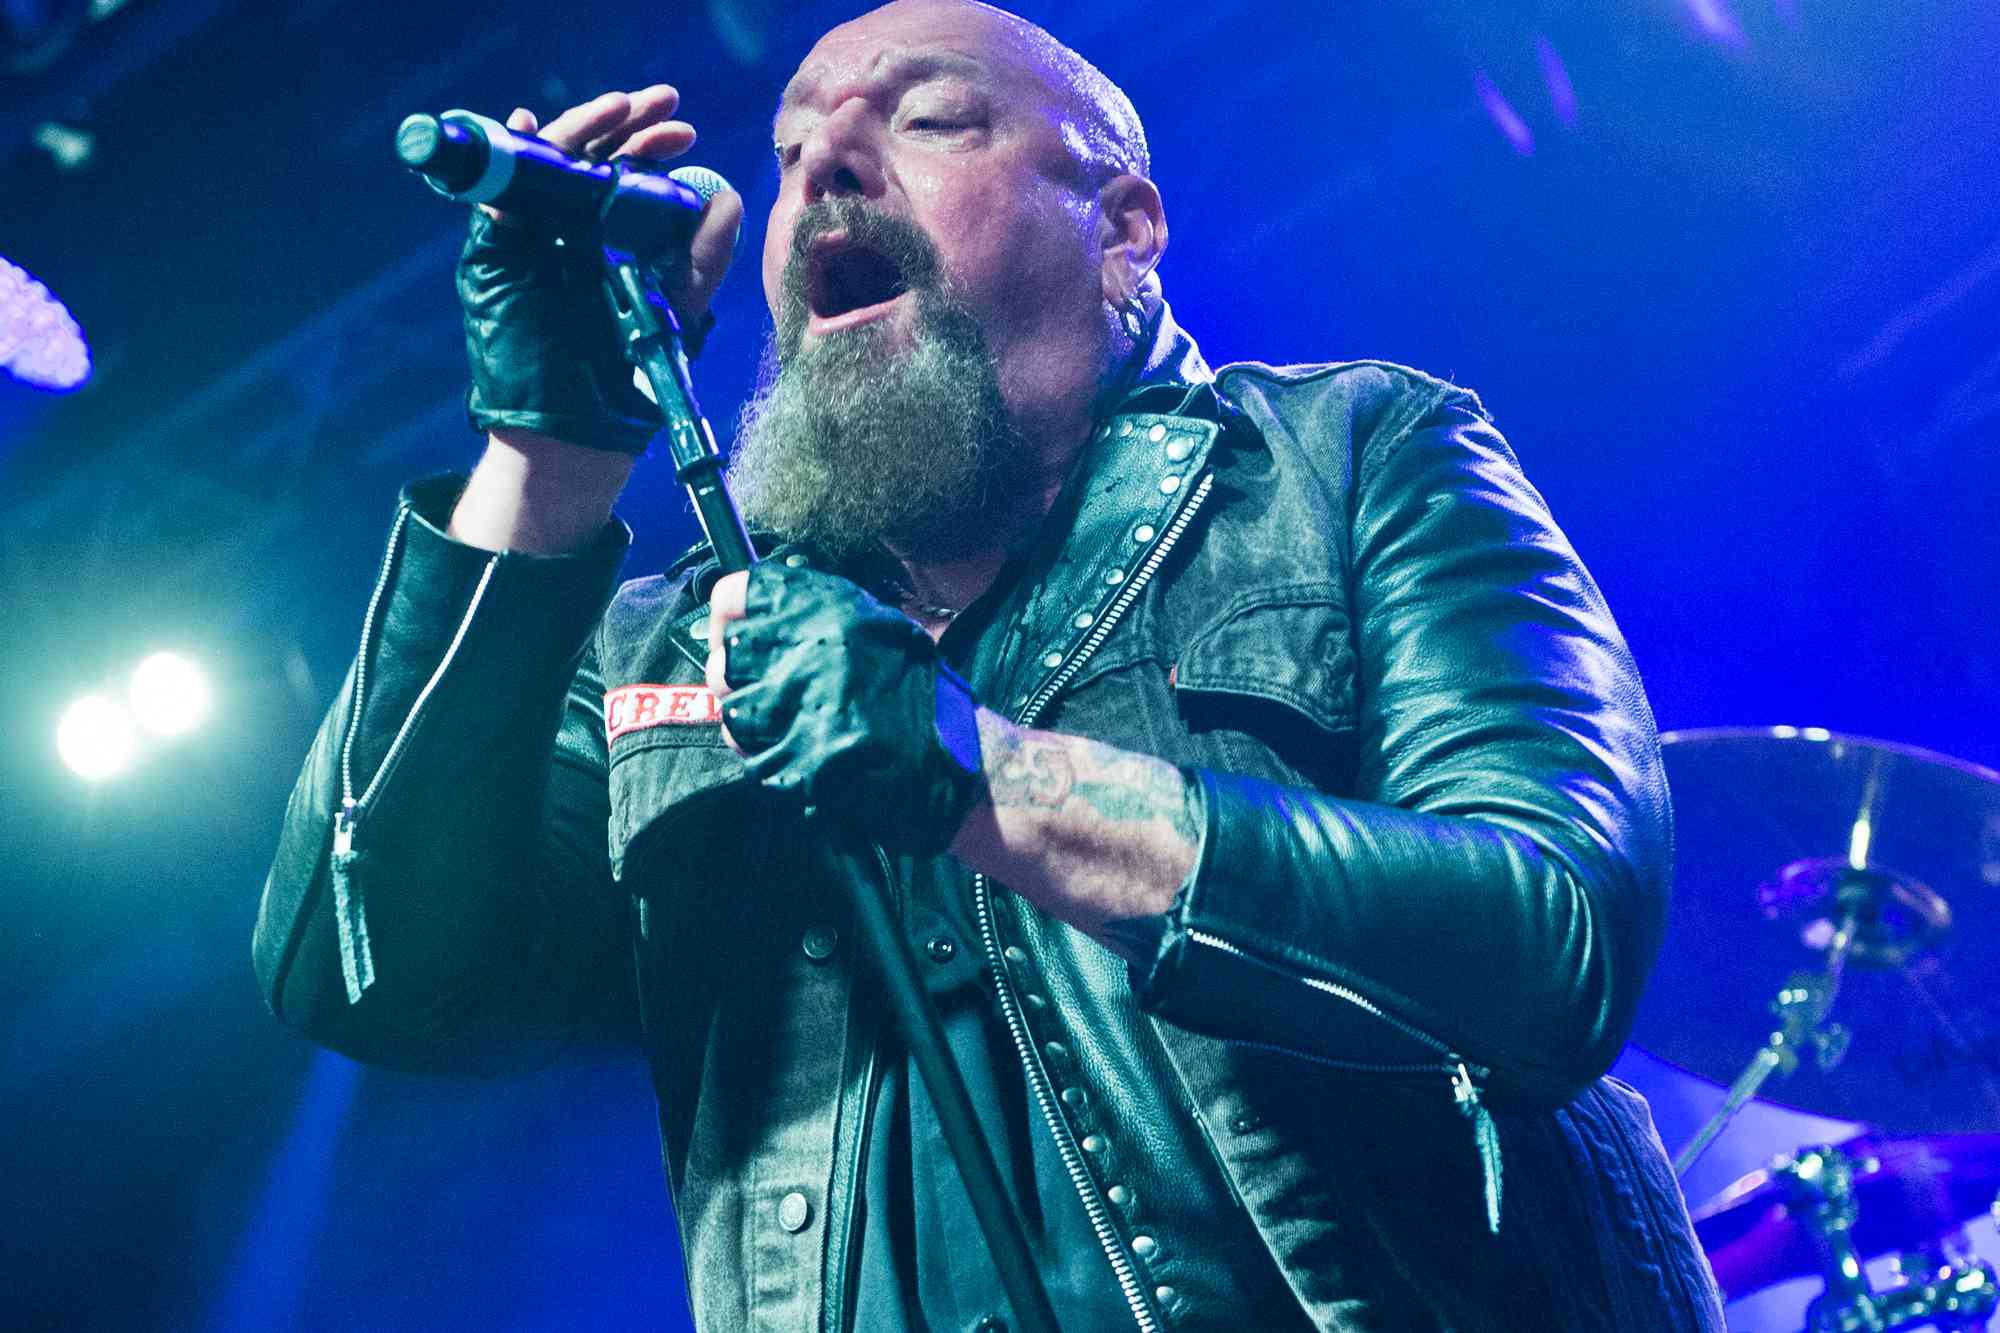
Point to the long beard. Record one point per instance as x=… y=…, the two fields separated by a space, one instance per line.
x=853 y=443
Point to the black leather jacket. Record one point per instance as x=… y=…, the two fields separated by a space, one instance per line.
x=1431 y=887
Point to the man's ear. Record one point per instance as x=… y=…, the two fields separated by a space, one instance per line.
x=1132 y=225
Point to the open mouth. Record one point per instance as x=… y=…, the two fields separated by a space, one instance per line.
x=845 y=277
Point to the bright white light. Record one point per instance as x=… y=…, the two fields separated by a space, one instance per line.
x=96 y=737
x=1858 y=839
x=68 y=147
x=169 y=694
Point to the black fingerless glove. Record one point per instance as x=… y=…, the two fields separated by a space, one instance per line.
x=543 y=349
x=844 y=704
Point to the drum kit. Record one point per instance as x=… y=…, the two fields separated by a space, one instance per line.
x=1836 y=927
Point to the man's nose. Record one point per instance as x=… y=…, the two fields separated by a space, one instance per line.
x=841 y=156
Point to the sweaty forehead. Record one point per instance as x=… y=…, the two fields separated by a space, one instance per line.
x=1093 y=124
x=888 y=65
x=908 y=42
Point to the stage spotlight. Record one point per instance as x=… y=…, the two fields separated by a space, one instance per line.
x=68 y=147
x=168 y=694
x=96 y=738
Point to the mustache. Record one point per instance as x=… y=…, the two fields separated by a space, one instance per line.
x=895 y=239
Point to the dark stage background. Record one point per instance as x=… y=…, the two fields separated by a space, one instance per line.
x=1727 y=272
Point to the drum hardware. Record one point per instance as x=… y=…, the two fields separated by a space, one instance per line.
x=1951 y=1293
x=1833 y=868
x=1860 y=831
x=1815 y=1210
x=1945 y=1285
x=1801 y=1009
x=1885 y=921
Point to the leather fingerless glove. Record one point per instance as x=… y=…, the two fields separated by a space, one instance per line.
x=845 y=704
x=541 y=343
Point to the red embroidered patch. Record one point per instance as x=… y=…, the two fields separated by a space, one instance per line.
x=634 y=707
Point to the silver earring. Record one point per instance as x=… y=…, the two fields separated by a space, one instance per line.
x=1132 y=317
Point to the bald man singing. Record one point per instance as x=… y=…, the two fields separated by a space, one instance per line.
x=1261 y=781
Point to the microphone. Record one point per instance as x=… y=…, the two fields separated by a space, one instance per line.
x=477 y=160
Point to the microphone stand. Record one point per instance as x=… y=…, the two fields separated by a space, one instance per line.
x=651 y=338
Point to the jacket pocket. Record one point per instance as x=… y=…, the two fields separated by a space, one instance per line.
x=1273 y=659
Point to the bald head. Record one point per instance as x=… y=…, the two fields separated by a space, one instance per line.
x=1098 y=124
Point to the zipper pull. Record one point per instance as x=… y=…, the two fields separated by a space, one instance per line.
x=1485 y=1136
x=357 y=960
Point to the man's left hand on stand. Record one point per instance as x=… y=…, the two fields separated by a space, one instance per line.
x=843 y=701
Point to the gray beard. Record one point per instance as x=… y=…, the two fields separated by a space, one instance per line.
x=850 y=445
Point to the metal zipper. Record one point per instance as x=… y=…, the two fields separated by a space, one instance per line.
x=1066 y=1148
x=357 y=963
x=1122 y=1266
x=1462 y=1073
x=1353 y=997
x=361 y=664
x=1116 y=611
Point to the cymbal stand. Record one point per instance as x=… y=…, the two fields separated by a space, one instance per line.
x=1801 y=1008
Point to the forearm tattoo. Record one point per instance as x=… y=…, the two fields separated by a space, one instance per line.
x=1137 y=790
x=1024 y=768
x=1099 y=837
x=1020 y=771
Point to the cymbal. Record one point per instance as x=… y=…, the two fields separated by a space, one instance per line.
x=1779 y=830
x=1909 y=1194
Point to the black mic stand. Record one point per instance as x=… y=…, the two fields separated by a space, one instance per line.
x=651 y=338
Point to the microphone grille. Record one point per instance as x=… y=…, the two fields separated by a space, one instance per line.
x=701 y=180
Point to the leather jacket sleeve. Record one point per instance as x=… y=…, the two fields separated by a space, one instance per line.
x=477 y=926
x=1495 y=891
